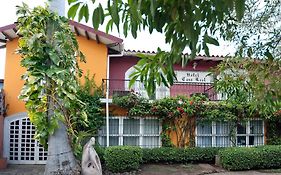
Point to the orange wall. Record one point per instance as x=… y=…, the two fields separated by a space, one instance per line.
x=12 y=79
x=96 y=57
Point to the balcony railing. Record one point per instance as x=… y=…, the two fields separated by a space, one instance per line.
x=121 y=87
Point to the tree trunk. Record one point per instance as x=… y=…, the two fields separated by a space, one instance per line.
x=60 y=156
x=61 y=160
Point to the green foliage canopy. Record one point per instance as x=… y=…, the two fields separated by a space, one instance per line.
x=251 y=82
x=258 y=33
x=186 y=24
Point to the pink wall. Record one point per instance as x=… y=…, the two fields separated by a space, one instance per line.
x=119 y=66
x=117 y=69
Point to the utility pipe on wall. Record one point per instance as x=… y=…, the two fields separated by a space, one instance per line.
x=107 y=95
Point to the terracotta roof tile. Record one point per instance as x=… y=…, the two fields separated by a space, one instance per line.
x=128 y=52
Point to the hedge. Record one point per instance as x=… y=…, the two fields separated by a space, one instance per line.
x=178 y=155
x=122 y=158
x=251 y=158
x=100 y=151
x=128 y=158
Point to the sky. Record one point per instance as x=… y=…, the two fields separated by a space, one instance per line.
x=145 y=40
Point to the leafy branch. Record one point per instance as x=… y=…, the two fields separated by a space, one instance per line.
x=49 y=52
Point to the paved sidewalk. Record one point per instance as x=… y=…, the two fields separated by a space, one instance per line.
x=23 y=170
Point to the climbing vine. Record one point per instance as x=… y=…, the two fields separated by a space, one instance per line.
x=180 y=114
x=49 y=52
x=172 y=107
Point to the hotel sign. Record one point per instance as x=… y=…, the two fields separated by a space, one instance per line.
x=194 y=77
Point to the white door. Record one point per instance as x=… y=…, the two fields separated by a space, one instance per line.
x=20 y=147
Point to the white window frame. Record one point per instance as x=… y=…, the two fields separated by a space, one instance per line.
x=202 y=135
x=248 y=134
x=141 y=134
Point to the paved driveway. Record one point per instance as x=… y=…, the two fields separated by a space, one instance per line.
x=195 y=169
x=152 y=169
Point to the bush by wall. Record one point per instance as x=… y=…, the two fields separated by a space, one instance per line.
x=100 y=151
x=122 y=158
x=179 y=155
x=251 y=158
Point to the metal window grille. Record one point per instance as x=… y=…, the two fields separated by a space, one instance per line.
x=143 y=132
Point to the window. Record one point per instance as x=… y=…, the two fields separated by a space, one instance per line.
x=217 y=134
x=144 y=132
x=161 y=91
x=250 y=133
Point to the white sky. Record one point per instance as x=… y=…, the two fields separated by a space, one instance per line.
x=144 y=41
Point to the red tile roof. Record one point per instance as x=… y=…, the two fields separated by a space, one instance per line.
x=198 y=57
x=9 y=32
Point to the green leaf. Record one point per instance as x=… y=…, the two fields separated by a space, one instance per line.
x=53 y=125
x=101 y=14
x=164 y=80
x=72 y=10
x=86 y=13
x=206 y=49
x=152 y=7
x=70 y=96
x=71 y=1
x=125 y=28
x=210 y=40
x=55 y=58
x=268 y=55
x=96 y=18
x=134 y=30
x=229 y=3
x=81 y=13
x=109 y=25
x=114 y=13
x=239 y=9
x=132 y=81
